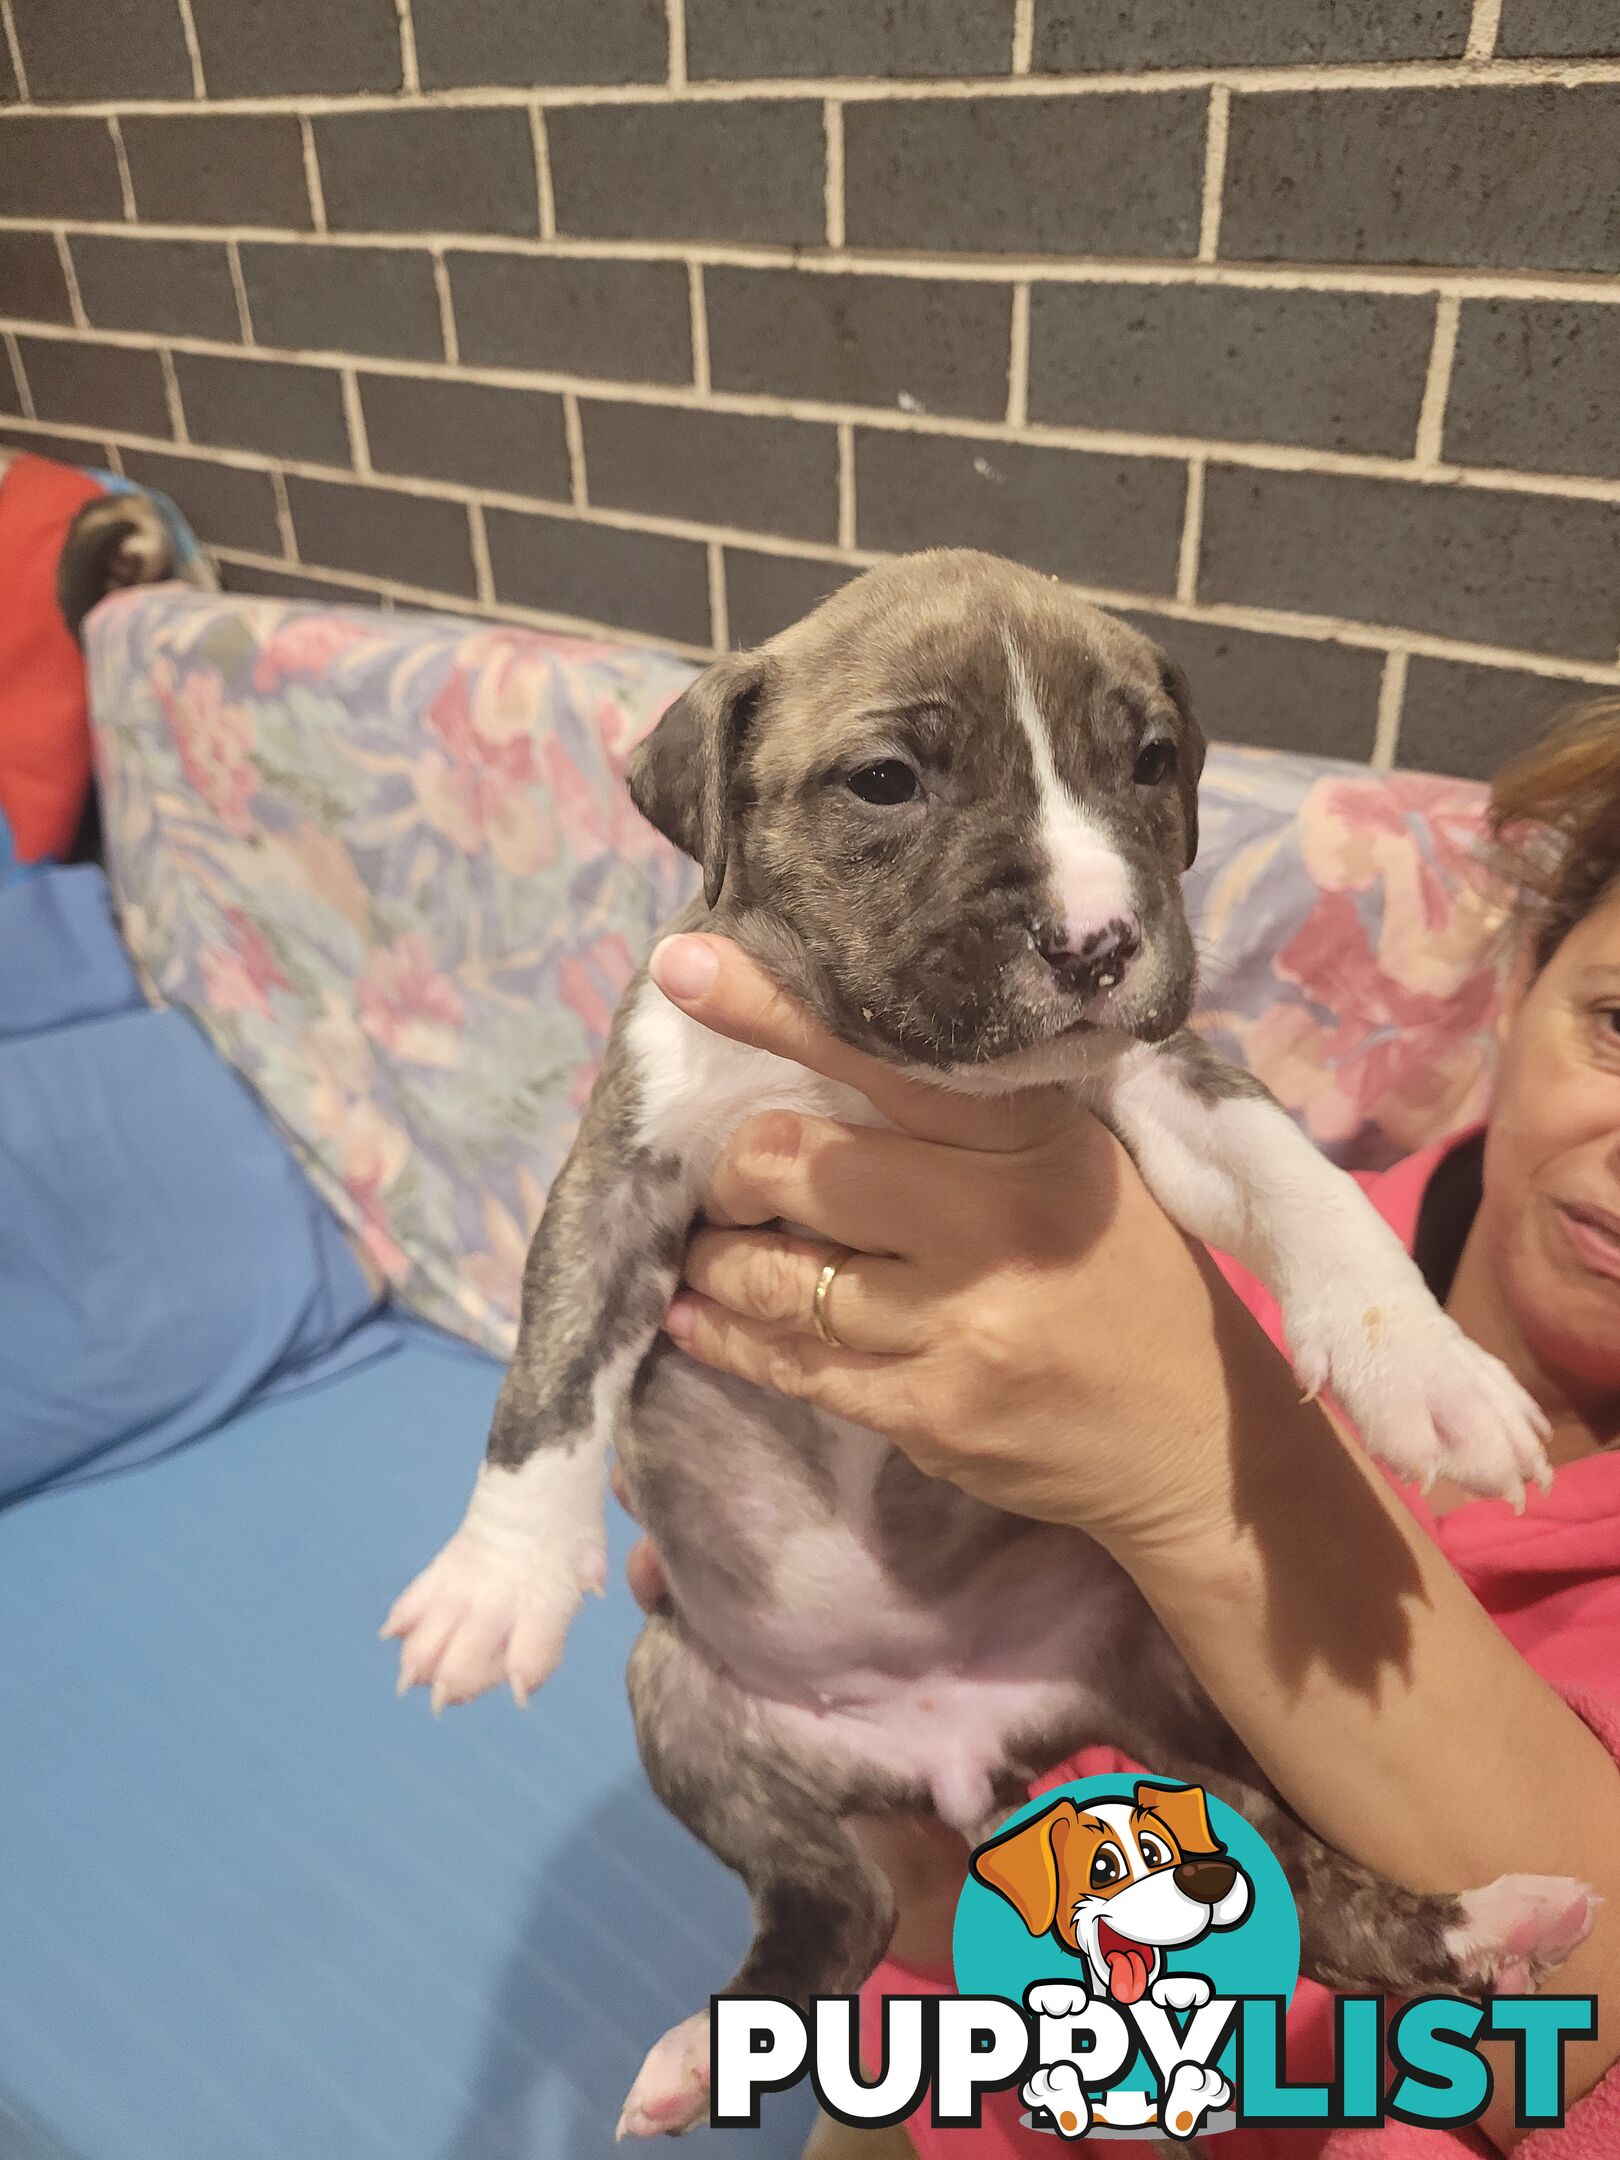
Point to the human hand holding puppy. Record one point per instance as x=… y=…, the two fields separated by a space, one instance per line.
x=1011 y=1305
x=1023 y=1319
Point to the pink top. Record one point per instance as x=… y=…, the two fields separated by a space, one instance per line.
x=1551 y=1580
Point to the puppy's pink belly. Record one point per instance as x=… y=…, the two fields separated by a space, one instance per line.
x=946 y=1733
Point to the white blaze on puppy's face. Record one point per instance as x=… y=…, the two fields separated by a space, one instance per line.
x=1091 y=886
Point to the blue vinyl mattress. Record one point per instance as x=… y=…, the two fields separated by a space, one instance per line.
x=253 y=1908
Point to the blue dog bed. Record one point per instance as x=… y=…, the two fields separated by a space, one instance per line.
x=253 y=1908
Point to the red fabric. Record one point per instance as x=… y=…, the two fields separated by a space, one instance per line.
x=1551 y=1580
x=44 y=717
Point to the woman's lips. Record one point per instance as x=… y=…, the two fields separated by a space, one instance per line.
x=1594 y=1236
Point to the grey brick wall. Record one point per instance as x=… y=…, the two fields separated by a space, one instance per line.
x=1293 y=332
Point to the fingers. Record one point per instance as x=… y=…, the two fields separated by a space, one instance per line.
x=771 y=1276
x=644 y=1572
x=721 y=986
x=875 y=1192
x=866 y=1390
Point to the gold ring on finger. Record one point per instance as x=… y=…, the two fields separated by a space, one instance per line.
x=819 y=1315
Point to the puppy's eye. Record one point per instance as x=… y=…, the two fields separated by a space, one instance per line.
x=888 y=781
x=1155 y=1854
x=1106 y=1867
x=1155 y=761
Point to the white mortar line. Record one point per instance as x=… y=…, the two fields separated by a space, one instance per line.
x=1391 y=695
x=675 y=19
x=574 y=435
x=126 y=186
x=25 y=394
x=70 y=278
x=832 y=123
x=1111 y=442
x=199 y=88
x=1272 y=622
x=1216 y=129
x=312 y=175
x=542 y=173
x=1431 y=425
x=171 y=390
x=1589 y=287
x=284 y=522
x=14 y=47
x=1484 y=30
x=447 y=312
x=1257 y=620
x=700 y=328
x=719 y=624
x=390 y=590
x=410 y=74
x=1018 y=359
x=355 y=417
x=244 y=314
x=479 y=536
x=1458 y=74
x=846 y=486
x=1192 y=534
x=114 y=457
x=1023 y=36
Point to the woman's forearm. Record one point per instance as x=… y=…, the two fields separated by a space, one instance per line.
x=1369 y=1684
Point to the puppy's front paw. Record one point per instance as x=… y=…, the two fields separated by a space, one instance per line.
x=671 y=2092
x=470 y=1621
x=1426 y=1399
x=496 y=1603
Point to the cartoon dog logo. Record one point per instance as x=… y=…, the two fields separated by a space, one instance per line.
x=1118 y=1884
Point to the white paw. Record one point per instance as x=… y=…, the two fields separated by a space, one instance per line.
x=671 y=2092
x=1193 y=2092
x=496 y=1604
x=1181 y=1991
x=1518 y=1929
x=1425 y=1399
x=1058 y=2088
x=1056 y=1999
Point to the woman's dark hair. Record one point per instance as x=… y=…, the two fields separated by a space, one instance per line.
x=1554 y=825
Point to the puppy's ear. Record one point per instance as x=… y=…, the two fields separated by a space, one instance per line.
x=1190 y=763
x=682 y=777
x=1025 y=1865
x=1185 y=1814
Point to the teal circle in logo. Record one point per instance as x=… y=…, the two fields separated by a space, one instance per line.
x=1117 y=1882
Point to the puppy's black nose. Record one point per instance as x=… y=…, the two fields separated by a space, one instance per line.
x=1205 y=1880
x=1095 y=961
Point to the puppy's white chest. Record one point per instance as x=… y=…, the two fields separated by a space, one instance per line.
x=696 y=1088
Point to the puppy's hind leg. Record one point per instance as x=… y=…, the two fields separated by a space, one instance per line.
x=1360 y=1930
x=823 y=1911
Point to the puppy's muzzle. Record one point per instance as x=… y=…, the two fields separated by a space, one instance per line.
x=1205 y=1881
x=1094 y=962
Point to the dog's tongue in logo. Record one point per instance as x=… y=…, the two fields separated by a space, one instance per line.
x=1130 y=1964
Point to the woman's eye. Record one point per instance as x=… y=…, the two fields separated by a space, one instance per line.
x=1155 y=761
x=888 y=781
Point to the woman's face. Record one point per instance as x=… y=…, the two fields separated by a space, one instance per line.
x=1550 y=1215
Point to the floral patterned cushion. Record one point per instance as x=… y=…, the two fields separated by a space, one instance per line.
x=389 y=864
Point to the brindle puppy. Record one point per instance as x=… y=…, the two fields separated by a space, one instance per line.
x=949 y=811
